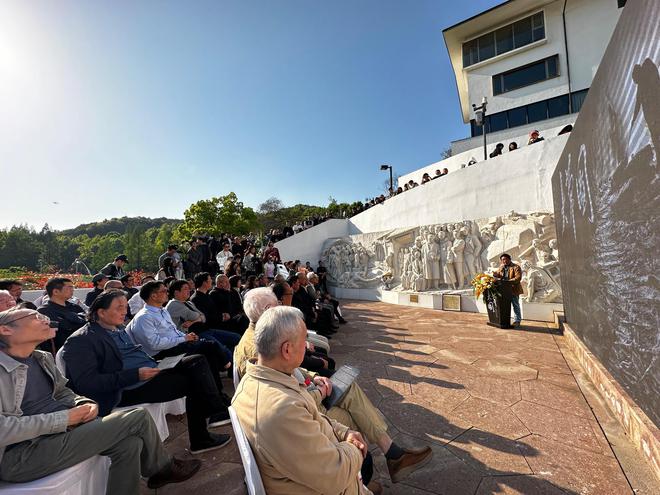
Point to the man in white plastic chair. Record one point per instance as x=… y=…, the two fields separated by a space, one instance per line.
x=45 y=427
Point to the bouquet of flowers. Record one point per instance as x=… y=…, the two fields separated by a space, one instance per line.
x=484 y=285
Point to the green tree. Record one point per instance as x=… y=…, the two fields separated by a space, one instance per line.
x=217 y=215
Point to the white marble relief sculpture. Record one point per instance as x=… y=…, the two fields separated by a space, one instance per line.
x=445 y=257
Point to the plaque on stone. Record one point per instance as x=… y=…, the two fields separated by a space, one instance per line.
x=451 y=302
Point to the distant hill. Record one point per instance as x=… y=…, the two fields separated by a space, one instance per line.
x=119 y=225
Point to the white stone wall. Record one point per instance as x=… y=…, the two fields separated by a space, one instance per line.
x=517 y=181
x=306 y=246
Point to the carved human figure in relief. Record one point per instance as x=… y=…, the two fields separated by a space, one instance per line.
x=434 y=262
x=458 y=247
x=418 y=283
x=541 y=286
x=468 y=255
x=473 y=233
x=447 y=260
x=405 y=271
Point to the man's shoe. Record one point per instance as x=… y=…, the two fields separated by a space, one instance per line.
x=175 y=472
x=219 y=419
x=215 y=441
x=342 y=321
x=411 y=460
x=375 y=487
x=516 y=324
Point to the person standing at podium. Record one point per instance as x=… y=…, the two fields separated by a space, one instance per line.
x=511 y=273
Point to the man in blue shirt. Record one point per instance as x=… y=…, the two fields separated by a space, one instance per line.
x=153 y=328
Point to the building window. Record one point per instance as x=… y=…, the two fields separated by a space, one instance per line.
x=557 y=106
x=504 y=39
x=527 y=114
x=578 y=99
x=526 y=75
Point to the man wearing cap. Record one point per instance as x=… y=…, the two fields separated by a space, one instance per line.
x=99 y=280
x=115 y=270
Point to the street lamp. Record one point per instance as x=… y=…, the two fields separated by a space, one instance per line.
x=386 y=167
x=480 y=119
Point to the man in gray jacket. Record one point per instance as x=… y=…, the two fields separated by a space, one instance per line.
x=45 y=427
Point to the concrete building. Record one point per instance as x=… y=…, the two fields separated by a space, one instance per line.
x=533 y=60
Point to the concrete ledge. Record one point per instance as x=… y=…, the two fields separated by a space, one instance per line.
x=639 y=428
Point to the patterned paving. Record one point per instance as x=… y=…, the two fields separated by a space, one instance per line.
x=500 y=408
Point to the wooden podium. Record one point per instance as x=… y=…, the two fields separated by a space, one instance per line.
x=499 y=306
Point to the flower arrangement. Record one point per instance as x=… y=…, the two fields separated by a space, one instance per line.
x=484 y=285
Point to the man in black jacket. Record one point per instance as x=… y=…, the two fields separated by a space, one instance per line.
x=103 y=363
x=314 y=319
x=67 y=317
x=99 y=281
x=229 y=310
x=115 y=270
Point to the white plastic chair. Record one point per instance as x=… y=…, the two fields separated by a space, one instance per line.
x=237 y=378
x=89 y=477
x=252 y=477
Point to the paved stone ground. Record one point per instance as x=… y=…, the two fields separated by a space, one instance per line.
x=501 y=408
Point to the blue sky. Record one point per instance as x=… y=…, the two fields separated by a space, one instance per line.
x=141 y=108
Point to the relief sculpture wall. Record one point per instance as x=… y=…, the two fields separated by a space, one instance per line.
x=447 y=256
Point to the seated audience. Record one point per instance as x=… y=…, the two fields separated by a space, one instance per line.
x=15 y=288
x=445 y=171
x=52 y=428
x=129 y=285
x=319 y=319
x=65 y=316
x=167 y=270
x=250 y=283
x=426 y=178
x=224 y=256
x=227 y=305
x=98 y=281
x=103 y=362
x=6 y=300
x=513 y=146
x=135 y=302
x=271 y=250
x=155 y=331
x=188 y=318
x=438 y=173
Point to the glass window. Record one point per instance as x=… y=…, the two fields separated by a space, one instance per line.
x=522 y=32
x=470 y=53
x=557 y=106
x=524 y=77
x=487 y=46
x=578 y=99
x=504 y=39
x=552 y=66
x=538 y=27
x=498 y=122
x=497 y=85
x=537 y=111
x=517 y=116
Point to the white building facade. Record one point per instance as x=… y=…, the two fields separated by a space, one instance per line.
x=533 y=60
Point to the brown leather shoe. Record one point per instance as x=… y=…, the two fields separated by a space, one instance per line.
x=411 y=460
x=375 y=487
x=175 y=472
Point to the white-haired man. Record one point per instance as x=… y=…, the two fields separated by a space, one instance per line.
x=45 y=427
x=354 y=409
x=299 y=451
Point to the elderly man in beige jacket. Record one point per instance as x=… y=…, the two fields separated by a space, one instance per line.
x=354 y=410
x=299 y=450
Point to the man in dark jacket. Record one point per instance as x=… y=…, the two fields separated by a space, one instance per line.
x=99 y=281
x=231 y=315
x=103 y=362
x=511 y=273
x=67 y=317
x=115 y=270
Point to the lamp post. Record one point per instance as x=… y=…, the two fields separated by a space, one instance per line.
x=385 y=167
x=480 y=118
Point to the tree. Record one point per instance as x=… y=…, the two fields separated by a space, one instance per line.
x=446 y=153
x=216 y=216
x=271 y=205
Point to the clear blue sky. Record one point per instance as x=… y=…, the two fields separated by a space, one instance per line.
x=143 y=107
